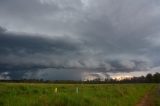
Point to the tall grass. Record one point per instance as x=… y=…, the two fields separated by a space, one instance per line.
x=12 y=94
x=155 y=96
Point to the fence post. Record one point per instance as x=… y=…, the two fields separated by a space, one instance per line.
x=55 y=90
x=77 y=90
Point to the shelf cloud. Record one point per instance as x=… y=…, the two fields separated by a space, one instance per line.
x=63 y=39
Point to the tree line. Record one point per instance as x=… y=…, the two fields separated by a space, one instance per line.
x=149 y=78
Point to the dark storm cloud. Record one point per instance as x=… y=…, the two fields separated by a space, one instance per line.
x=25 y=56
x=54 y=74
x=84 y=35
x=19 y=52
x=32 y=44
x=21 y=49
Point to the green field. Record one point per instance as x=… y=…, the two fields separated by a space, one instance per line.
x=14 y=94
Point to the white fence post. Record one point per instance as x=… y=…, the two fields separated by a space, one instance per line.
x=77 y=90
x=55 y=90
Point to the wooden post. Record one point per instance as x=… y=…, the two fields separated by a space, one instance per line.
x=77 y=90
x=55 y=90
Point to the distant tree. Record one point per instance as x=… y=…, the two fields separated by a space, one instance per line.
x=156 y=77
x=97 y=80
x=149 y=77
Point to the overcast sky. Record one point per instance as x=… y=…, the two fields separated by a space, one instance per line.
x=76 y=39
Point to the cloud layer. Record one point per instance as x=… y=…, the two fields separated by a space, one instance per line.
x=44 y=36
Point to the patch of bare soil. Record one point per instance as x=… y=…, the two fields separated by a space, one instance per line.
x=145 y=101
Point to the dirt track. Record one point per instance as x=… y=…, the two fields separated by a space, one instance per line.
x=145 y=101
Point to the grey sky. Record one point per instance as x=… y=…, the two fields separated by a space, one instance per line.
x=93 y=36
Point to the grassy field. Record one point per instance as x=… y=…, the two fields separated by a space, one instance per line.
x=13 y=94
x=155 y=96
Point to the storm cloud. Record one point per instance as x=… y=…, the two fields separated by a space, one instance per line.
x=62 y=39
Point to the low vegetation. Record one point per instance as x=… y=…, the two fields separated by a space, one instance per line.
x=23 y=94
x=155 y=96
